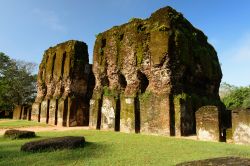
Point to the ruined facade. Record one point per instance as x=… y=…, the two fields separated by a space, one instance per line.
x=64 y=85
x=152 y=75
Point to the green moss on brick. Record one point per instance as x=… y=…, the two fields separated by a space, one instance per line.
x=139 y=55
x=110 y=92
x=145 y=96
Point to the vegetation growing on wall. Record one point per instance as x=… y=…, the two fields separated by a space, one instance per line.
x=109 y=92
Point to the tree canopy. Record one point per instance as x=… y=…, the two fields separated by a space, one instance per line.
x=235 y=97
x=17 y=83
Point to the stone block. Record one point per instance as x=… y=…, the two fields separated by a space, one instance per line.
x=17 y=112
x=220 y=161
x=36 y=110
x=241 y=126
x=53 y=107
x=62 y=112
x=54 y=144
x=154 y=114
x=19 y=134
x=207 y=123
x=44 y=111
x=108 y=113
x=95 y=113
x=127 y=114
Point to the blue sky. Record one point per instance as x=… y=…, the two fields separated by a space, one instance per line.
x=28 y=27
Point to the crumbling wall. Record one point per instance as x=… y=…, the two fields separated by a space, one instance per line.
x=155 y=73
x=64 y=85
x=241 y=126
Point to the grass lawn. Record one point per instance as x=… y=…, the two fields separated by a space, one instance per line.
x=112 y=148
x=9 y=123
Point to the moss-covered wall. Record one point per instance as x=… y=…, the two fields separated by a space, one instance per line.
x=127 y=115
x=65 y=84
x=154 y=114
x=163 y=58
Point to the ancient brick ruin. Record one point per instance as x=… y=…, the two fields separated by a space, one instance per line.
x=156 y=76
x=152 y=75
x=64 y=85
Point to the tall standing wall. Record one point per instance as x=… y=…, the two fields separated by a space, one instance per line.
x=152 y=75
x=64 y=85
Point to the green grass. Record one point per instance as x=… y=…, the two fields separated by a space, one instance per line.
x=8 y=124
x=112 y=148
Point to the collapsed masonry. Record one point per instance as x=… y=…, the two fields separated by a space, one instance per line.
x=152 y=76
x=64 y=85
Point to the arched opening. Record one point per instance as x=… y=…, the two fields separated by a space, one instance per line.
x=122 y=81
x=121 y=37
x=63 y=63
x=56 y=112
x=141 y=28
x=117 y=114
x=103 y=43
x=53 y=65
x=47 y=114
x=105 y=81
x=143 y=81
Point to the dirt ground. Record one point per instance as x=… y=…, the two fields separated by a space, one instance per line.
x=49 y=128
x=57 y=128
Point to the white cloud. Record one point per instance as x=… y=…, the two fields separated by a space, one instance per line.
x=49 y=19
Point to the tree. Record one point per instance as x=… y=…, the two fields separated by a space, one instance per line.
x=236 y=97
x=226 y=89
x=17 y=83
